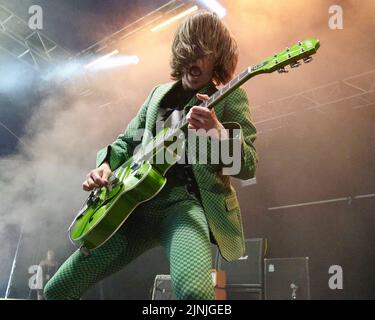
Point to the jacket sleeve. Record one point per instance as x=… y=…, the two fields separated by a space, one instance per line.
x=122 y=148
x=237 y=116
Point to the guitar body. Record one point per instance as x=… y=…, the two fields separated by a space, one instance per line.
x=107 y=209
x=104 y=217
x=142 y=177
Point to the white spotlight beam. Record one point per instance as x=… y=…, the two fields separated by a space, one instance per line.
x=101 y=59
x=115 y=62
x=214 y=6
x=175 y=18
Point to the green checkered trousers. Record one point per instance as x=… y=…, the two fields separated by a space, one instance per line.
x=173 y=219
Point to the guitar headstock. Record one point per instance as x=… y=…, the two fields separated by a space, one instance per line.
x=303 y=50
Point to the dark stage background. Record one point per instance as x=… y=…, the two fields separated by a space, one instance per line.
x=316 y=137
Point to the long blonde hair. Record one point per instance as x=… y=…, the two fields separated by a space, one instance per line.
x=202 y=34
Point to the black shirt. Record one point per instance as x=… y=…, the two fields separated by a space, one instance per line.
x=174 y=102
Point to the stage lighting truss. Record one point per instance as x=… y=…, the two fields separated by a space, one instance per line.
x=150 y=21
x=29 y=46
x=355 y=92
x=145 y=23
x=110 y=43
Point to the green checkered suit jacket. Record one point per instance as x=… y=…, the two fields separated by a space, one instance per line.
x=218 y=196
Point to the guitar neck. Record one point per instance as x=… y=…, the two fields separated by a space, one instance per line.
x=235 y=83
x=278 y=62
x=219 y=95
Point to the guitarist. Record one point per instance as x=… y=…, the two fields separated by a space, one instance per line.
x=197 y=205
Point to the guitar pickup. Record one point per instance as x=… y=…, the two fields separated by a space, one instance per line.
x=134 y=166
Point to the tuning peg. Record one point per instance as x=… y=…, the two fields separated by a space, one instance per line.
x=282 y=70
x=300 y=43
x=307 y=59
x=287 y=49
x=295 y=64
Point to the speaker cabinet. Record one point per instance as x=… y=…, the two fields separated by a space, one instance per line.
x=243 y=293
x=162 y=289
x=247 y=271
x=287 y=279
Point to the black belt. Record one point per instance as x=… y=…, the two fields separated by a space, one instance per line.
x=180 y=175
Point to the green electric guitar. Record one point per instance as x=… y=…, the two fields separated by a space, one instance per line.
x=139 y=179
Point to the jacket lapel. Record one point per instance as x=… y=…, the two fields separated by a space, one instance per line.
x=153 y=106
x=152 y=110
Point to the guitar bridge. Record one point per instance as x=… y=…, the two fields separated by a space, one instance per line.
x=93 y=198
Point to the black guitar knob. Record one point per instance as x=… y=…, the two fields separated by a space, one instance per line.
x=138 y=175
x=134 y=166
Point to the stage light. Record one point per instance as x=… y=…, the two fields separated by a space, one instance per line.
x=76 y=68
x=179 y=16
x=64 y=71
x=214 y=6
x=114 y=62
x=15 y=77
x=101 y=59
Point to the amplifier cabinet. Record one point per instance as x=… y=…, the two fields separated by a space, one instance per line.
x=248 y=270
x=287 y=279
x=163 y=290
x=244 y=293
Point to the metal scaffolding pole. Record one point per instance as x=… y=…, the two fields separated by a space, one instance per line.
x=349 y=200
x=105 y=45
x=28 y=46
x=354 y=92
x=11 y=275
